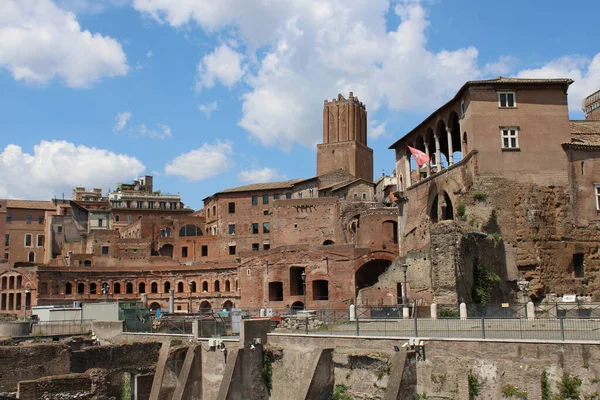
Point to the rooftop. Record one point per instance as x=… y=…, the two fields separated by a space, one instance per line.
x=31 y=204
x=263 y=186
x=486 y=82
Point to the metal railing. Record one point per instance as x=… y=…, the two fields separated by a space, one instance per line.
x=550 y=322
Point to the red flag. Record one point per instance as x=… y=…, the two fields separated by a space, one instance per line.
x=420 y=157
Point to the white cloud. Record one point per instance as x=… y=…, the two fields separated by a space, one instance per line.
x=208 y=108
x=56 y=167
x=143 y=132
x=149 y=54
x=223 y=65
x=260 y=175
x=377 y=129
x=205 y=162
x=585 y=73
x=309 y=50
x=503 y=67
x=90 y=6
x=122 y=119
x=40 y=41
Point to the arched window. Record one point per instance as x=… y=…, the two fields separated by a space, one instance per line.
x=180 y=287
x=129 y=288
x=87 y=263
x=205 y=286
x=328 y=242
x=68 y=288
x=192 y=287
x=228 y=305
x=31 y=256
x=117 y=288
x=80 y=288
x=217 y=286
x=142 y=287
x=190 y=230
x=154 y=287
x=205 y=307
x=236 y=285
x=167 y=287
x=93 y=288
x=227 y=286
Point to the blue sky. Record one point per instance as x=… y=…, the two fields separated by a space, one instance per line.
x=207 y=95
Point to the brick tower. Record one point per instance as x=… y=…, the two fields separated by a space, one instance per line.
x=345 y=138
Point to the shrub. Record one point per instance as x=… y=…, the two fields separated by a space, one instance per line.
x=461 y=209
x=513 y=391
x=267 y=372
x=496 y=236
x=569 y=386
x=448 y=313
x=339 y=393
x=545 y=386
x=480 y=196
x=474 y=386
x=484 y=283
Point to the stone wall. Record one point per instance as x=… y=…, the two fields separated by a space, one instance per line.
x=363 y=366
x=118 y=357
x=31 y=362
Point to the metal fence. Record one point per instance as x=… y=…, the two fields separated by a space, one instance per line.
x=551 y=322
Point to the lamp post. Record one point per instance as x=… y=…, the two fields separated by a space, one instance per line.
x=405 y=293
x=25 y=308
x=303 y=276
x=190 y=285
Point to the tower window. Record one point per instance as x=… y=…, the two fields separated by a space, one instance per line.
x=578 y=265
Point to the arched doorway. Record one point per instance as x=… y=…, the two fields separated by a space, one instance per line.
x=228 y=305
x=368 y=274
x=205 y=307
x=433 y=213
x=328 y=242
x=154 y=306
x=297 y=306
x=448 y=211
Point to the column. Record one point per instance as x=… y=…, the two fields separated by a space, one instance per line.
x=438 y=154
x=428 y=165
x=351 y=118
x=325 y=123
x=364 y=129
x=407 y=179
x=337 y=122
x=450 y=156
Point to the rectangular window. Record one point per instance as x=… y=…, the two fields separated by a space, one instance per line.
x=255 y=247
x=288 y=195
x=162 y=205
x=231 y=208
x=28 y=240
x=510 y=138
x=6 y=256
x=254 y=200
x=8 y=218
x=266 y=246
x=7 y=239
x=128 y=218
x=28 y=219
x=232 y=250
x=507 y=99
x=276 y=196
x=597 y=191
x=150 y=204
x=462 y=108
x=104 y=250
x=184 y=252
x=40 y=240
x=265 y=199
x=204 y=251
x=138 y=204
x=266 y=212
x=255 y=228
x=100 y=222
x=266 y=227
x=578 y=265
x=59 y=229
x=299 y=195
x=41 y=219
x=232 y=229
